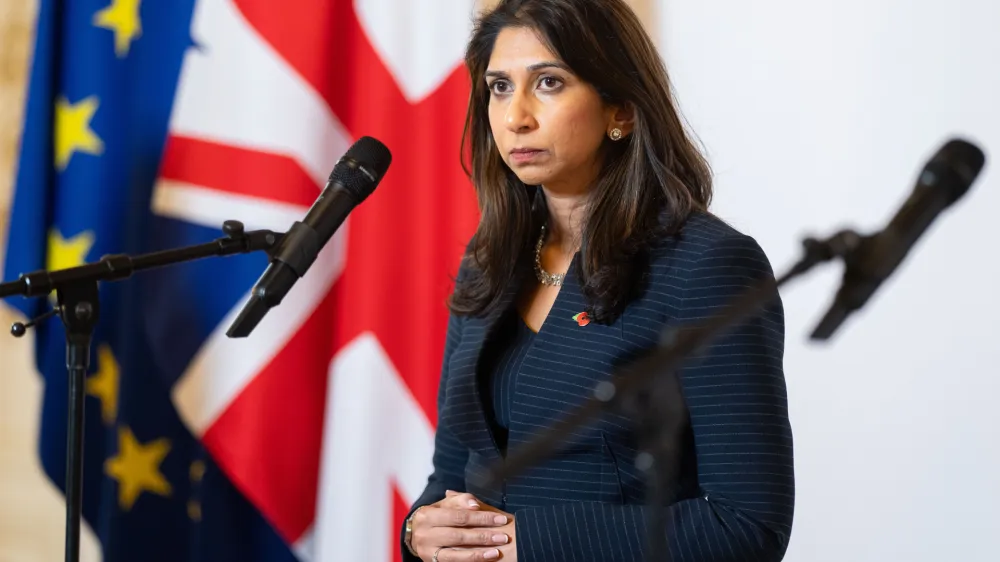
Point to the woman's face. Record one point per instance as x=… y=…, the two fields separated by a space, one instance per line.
x=547 y=124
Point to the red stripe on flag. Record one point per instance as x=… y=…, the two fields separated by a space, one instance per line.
x=431 y=208
x=269 y=439
x=400 y=509
x=237 y=170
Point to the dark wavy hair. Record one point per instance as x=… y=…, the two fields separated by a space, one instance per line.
x=650 y=182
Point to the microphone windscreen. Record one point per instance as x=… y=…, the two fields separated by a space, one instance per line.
x=362 y=167
x=955 y=167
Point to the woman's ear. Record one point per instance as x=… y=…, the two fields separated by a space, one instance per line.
x=623 y=117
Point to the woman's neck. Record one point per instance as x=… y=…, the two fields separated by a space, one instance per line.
x=566 y=216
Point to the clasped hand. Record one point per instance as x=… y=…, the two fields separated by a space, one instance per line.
x=460 y=528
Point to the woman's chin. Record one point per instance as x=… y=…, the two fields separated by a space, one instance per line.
x=530 y=177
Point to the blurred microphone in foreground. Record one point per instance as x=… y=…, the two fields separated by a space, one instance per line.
x=945 y=179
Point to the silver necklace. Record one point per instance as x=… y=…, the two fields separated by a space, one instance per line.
x=544 y=277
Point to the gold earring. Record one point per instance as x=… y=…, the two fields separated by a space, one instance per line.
x=616 y=134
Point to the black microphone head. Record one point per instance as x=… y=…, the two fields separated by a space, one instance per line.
x=954 y=168
x=361 y=169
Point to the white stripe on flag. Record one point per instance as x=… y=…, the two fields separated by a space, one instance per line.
x=375 y=436
x=422 y=41
x=209 y=207
x=236 y=90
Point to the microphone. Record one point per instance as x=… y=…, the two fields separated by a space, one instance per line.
x=945 y=179
x=354 y=178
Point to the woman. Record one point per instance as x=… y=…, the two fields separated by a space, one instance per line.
x=594 y=239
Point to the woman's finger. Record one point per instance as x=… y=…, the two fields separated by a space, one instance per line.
x=446 y=517
x=459 y=540
x=458 y=536
x=460 y=500
x=468 y=554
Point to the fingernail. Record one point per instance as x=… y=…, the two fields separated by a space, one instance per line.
x=500 y=520
x=491 y=554
x=473 y=503
x=502 y=539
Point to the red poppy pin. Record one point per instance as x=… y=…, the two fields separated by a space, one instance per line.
x=582 y=318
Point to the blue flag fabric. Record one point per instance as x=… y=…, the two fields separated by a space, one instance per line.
x=102 y=86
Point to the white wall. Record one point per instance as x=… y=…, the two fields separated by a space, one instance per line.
x=818 y=114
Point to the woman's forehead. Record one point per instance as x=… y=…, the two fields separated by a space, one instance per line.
x=519 y=48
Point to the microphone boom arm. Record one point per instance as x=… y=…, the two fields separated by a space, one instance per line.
x=120 y=266
x=79 y=308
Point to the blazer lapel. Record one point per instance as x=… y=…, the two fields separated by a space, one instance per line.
x=465 y=415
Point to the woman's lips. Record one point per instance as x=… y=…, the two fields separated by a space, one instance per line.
x=525 y=155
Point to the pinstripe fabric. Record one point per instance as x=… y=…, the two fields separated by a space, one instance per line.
x=734 y=494
x=502 y=359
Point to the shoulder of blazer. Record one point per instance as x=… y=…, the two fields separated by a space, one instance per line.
x=703 y=241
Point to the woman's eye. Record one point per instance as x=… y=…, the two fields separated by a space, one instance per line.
x=550 y=82
x=498 y=87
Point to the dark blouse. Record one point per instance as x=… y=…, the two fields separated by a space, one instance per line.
x=501 y=361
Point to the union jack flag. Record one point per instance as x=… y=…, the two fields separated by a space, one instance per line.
x=148 y=125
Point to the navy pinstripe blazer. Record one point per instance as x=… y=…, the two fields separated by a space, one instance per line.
x=734 y=495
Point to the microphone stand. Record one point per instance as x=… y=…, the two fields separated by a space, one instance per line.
x=648 y=391
x=79 y=307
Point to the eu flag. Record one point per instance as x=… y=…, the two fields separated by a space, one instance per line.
x=103 y=80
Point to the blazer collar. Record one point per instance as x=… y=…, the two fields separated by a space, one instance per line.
x=472 y=427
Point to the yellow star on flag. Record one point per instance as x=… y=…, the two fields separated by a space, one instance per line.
x=104 y=384
x=64 y=253
x=194 y=510
x=73 y=133
x=136 y=467
x=121 y=17
x=197 y=471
